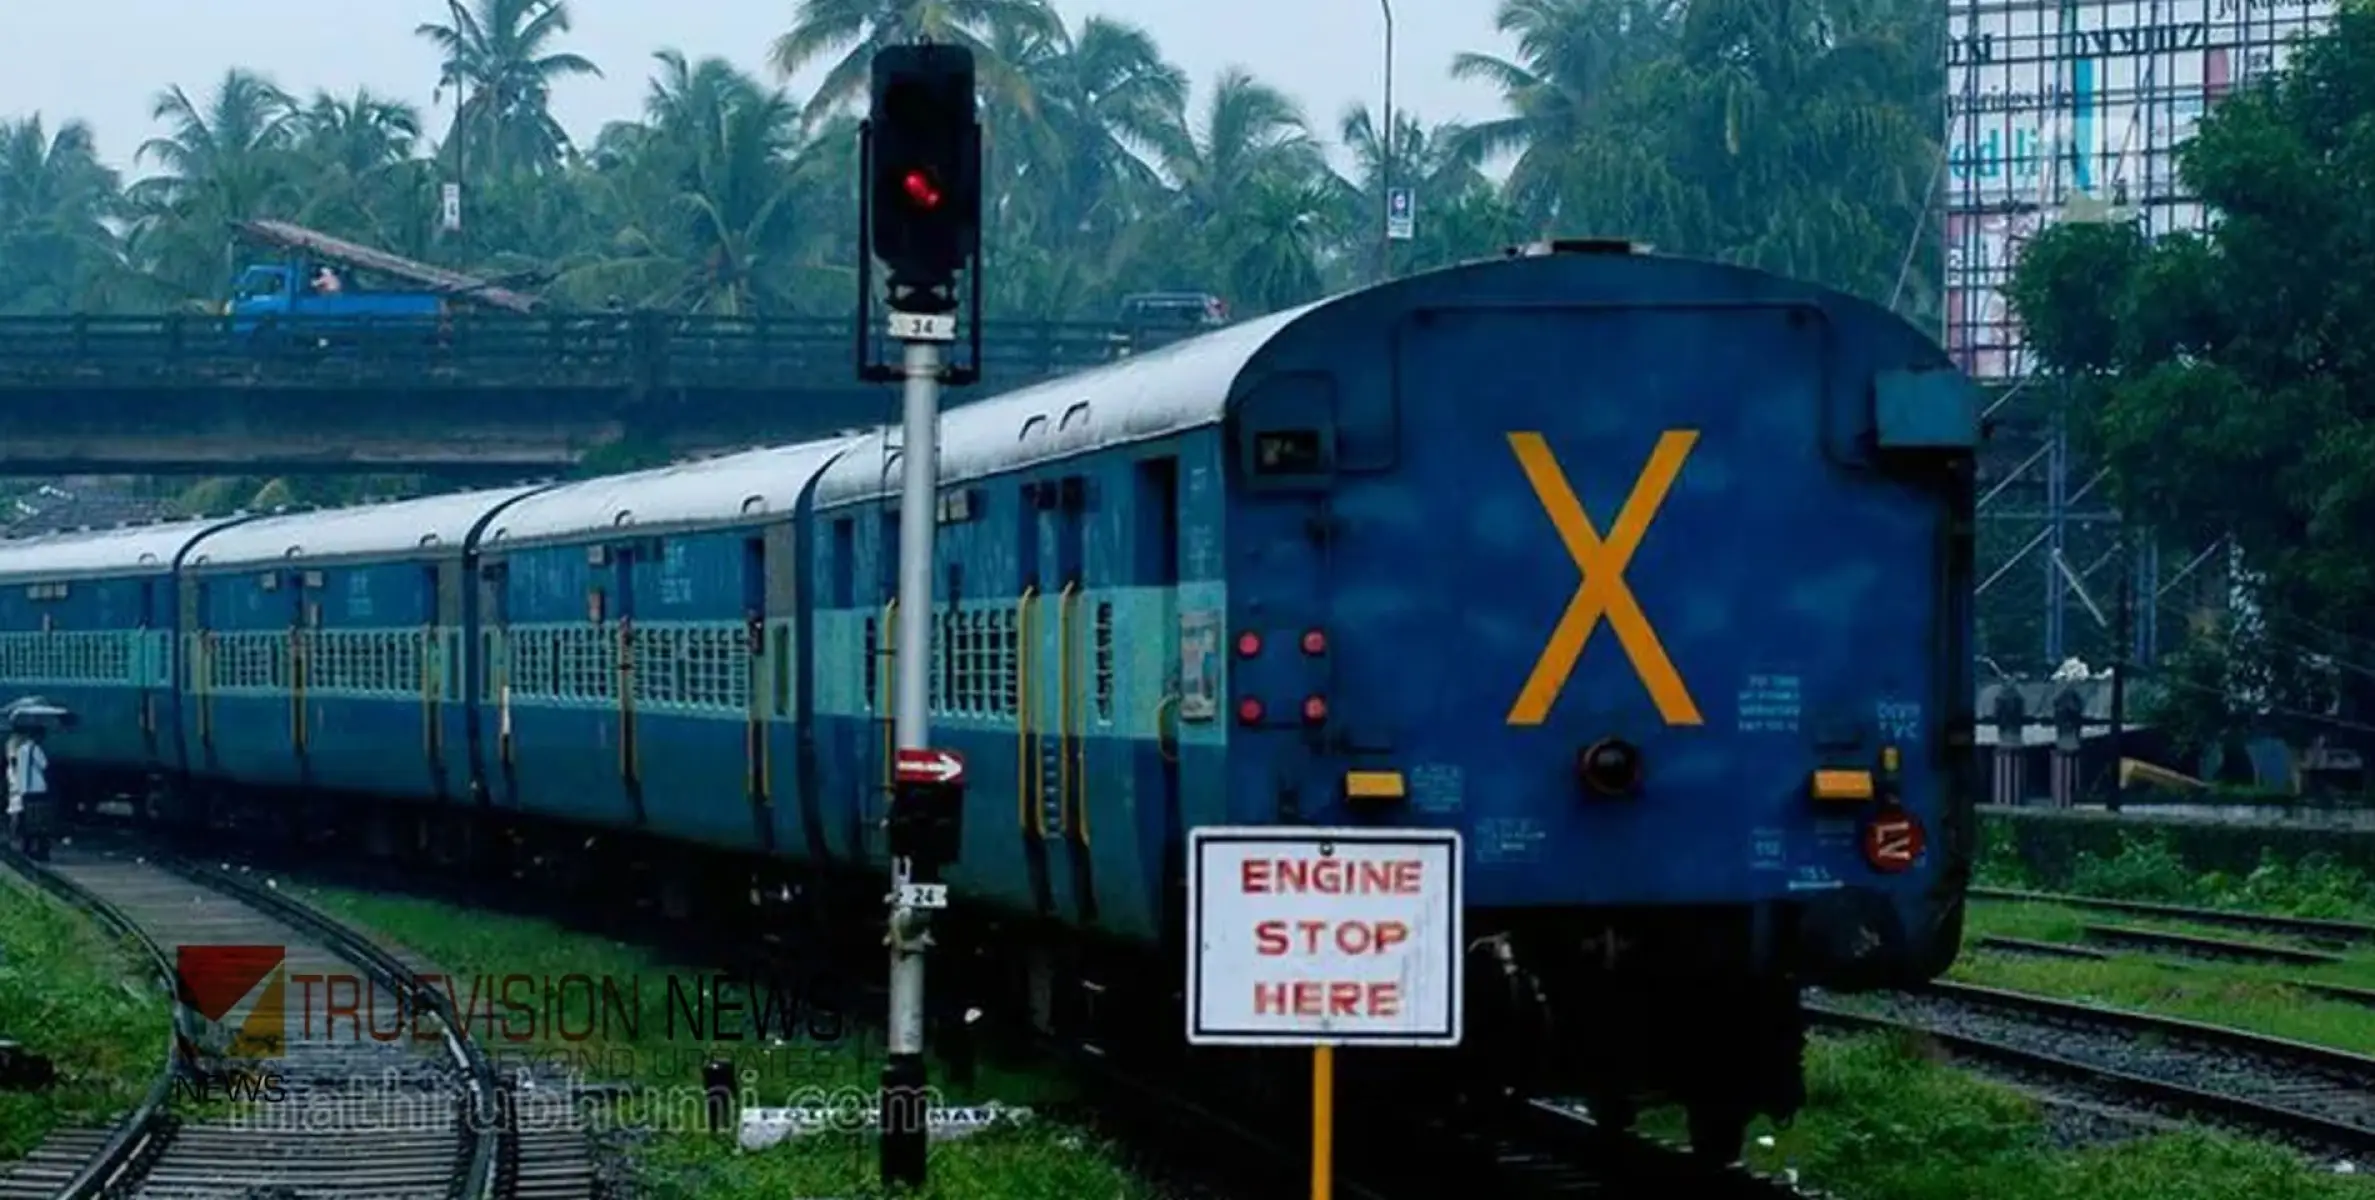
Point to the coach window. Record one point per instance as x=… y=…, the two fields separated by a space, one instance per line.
x=845 y=562
x=781 y=660
x=1286 y=433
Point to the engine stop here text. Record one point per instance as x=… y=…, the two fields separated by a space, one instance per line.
x=1325 y=936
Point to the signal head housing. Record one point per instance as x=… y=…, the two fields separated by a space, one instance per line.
x=924 y=195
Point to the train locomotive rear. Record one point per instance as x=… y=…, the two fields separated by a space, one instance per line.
x=1651 y=577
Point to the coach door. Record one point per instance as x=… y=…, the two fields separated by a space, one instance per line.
x=147 y=673
x=494 y=686
x=622 y=585
x=442 y=615
x=198 y=658
x=1059 y=636
x=1156 y=751
x=303 y=616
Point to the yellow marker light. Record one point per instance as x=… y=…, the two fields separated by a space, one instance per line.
x=1842 y=785
x=1888 y=759
x=1374 y=785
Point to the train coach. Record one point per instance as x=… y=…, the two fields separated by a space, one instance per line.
x=1650 y=576
x=87 y=621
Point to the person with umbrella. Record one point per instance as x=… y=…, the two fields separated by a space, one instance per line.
x=16 y=799
x=29 y=800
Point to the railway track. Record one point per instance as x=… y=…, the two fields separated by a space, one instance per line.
x=2363 y=997
x=1552 y=1150
x=2196 y=946
x=1540 y=1149
x=412 y=1110
x=2312 y=1095
x=1543 y=1149
x=2316 y=931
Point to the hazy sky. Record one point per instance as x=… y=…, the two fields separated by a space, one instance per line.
x=105 y=60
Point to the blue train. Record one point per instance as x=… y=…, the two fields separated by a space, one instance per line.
x=1650 y=576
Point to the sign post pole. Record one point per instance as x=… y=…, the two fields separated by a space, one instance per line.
x=1323 y=1121
x=915 y=886
x=1320 y=938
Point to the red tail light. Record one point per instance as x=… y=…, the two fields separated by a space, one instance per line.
x=1249 y=711
x=1315 y=643
x=1249 y=644
x=1315 y=709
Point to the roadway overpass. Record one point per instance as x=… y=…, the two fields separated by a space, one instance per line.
x=494 y=394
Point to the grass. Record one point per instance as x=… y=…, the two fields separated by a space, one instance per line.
x=70 y=991
x=2247 y=996
x=1883 y=1121
x=644 y=1040
x=2148 y=868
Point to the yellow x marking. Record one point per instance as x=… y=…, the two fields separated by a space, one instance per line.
x=1603 y=591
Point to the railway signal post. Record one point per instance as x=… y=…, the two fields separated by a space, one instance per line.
x=922 y=217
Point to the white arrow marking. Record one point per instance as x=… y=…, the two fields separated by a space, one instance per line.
x=940 y=767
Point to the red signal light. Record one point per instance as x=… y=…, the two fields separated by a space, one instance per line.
x=1249 y=644
x=1249 y=711
x=1315 y=709
x=920 y=190
x=1315 y=642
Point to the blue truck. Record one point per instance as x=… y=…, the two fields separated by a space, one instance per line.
x=323 y=289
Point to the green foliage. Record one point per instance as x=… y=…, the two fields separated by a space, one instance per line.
x=2067 y=271
x=2316 y=886
x=1884 y=1120
x=1798 y=139
x=2146 y=868
x=2227 y=381
x=1794 y=139
x=67 y=991
x=615 y=457
x=2203 y=865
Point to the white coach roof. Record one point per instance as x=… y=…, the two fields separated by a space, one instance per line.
x=431 y=524
x=722 y=490
x=124 y=550
x=1181 y=386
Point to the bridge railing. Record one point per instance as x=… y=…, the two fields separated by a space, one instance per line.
x=505 y=350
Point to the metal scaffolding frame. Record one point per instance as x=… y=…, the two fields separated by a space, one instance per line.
x=2053 y=508
x=2104 y=90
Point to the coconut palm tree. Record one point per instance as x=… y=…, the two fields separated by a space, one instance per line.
x=56 y=250
x=1570 y=55
x=858 y=29
x=357 y=151
x=499 y=61
x=224 y=160
x=1106 y=103
x=1252 y=181
x=707 y=202
x=1461 y=213
x=1795 y=137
